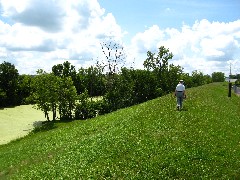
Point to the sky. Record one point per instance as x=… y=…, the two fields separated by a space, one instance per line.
x=203 y=35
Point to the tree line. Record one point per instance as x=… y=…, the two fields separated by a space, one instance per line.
x=67 y=92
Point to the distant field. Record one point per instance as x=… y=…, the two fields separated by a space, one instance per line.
x=17 y=122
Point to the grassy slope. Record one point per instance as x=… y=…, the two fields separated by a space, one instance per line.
x=147 y=141
x=17 y=122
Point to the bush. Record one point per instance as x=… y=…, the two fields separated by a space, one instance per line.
x=237 y=82
x=91 y=109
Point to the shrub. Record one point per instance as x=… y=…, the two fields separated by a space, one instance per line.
x=88 y=108
x=91 y=109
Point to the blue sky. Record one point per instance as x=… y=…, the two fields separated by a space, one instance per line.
x=203 y=35
x=136 y=15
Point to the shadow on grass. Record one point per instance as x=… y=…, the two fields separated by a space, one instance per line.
x=41 y=126
x=183 y=109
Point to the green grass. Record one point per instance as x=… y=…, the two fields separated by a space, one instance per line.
x=147 y=141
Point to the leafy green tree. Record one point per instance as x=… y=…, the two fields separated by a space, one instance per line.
x=197 y=78
x=122 y=92
x=159 y=64
x=233 y=76
x=173 y=76
x=151 y=62
x=238 y=76
x=8 y=84
x=81 y=83
x=66 y=70
x=218 y=77
x=207 y=79
x=91 y=79
x=52 y=93
x=67 y=97
x=3 y=98
x=45 y=95
x=145 y=85
x=95 y=81
x=25 y=88
x=58 y=70
x=187 y=80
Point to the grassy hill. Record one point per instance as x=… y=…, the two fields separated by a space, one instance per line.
x=147 y=141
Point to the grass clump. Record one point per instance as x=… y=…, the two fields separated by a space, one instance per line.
x=147 y=141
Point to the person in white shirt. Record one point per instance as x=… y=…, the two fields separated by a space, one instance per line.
x=180 y=94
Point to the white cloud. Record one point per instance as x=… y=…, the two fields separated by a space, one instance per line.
x=147 y=41
x=45 y=14
x=222 y=47
x=41 y=33
x=205 y=46
x=3 y=53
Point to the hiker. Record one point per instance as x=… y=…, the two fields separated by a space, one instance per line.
x=180 y=94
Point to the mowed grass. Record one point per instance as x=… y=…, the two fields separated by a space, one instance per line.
x=147 y=141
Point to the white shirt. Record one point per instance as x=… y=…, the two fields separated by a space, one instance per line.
x=180 y=87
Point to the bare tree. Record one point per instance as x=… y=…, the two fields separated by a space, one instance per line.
x=115 y=56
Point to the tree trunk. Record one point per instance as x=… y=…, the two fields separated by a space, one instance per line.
x=46 y=115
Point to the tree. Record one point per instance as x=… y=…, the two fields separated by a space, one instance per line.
x=91 y=79
x=45 y=95
x=173 y=77
x=52 y=93
x=187 y=80
x=95 y=83
x=122 y=92
x=207 y=79
x=25 y=88
x=8 y=84
x=115 y=56
x=66 y=70
x=159 y=64
x=197 y=78
x=145 y=85
x=67 y=96
x=218 y=77
x=3 y=98
x=237 y=76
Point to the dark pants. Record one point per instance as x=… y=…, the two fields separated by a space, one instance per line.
x=180 y=98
